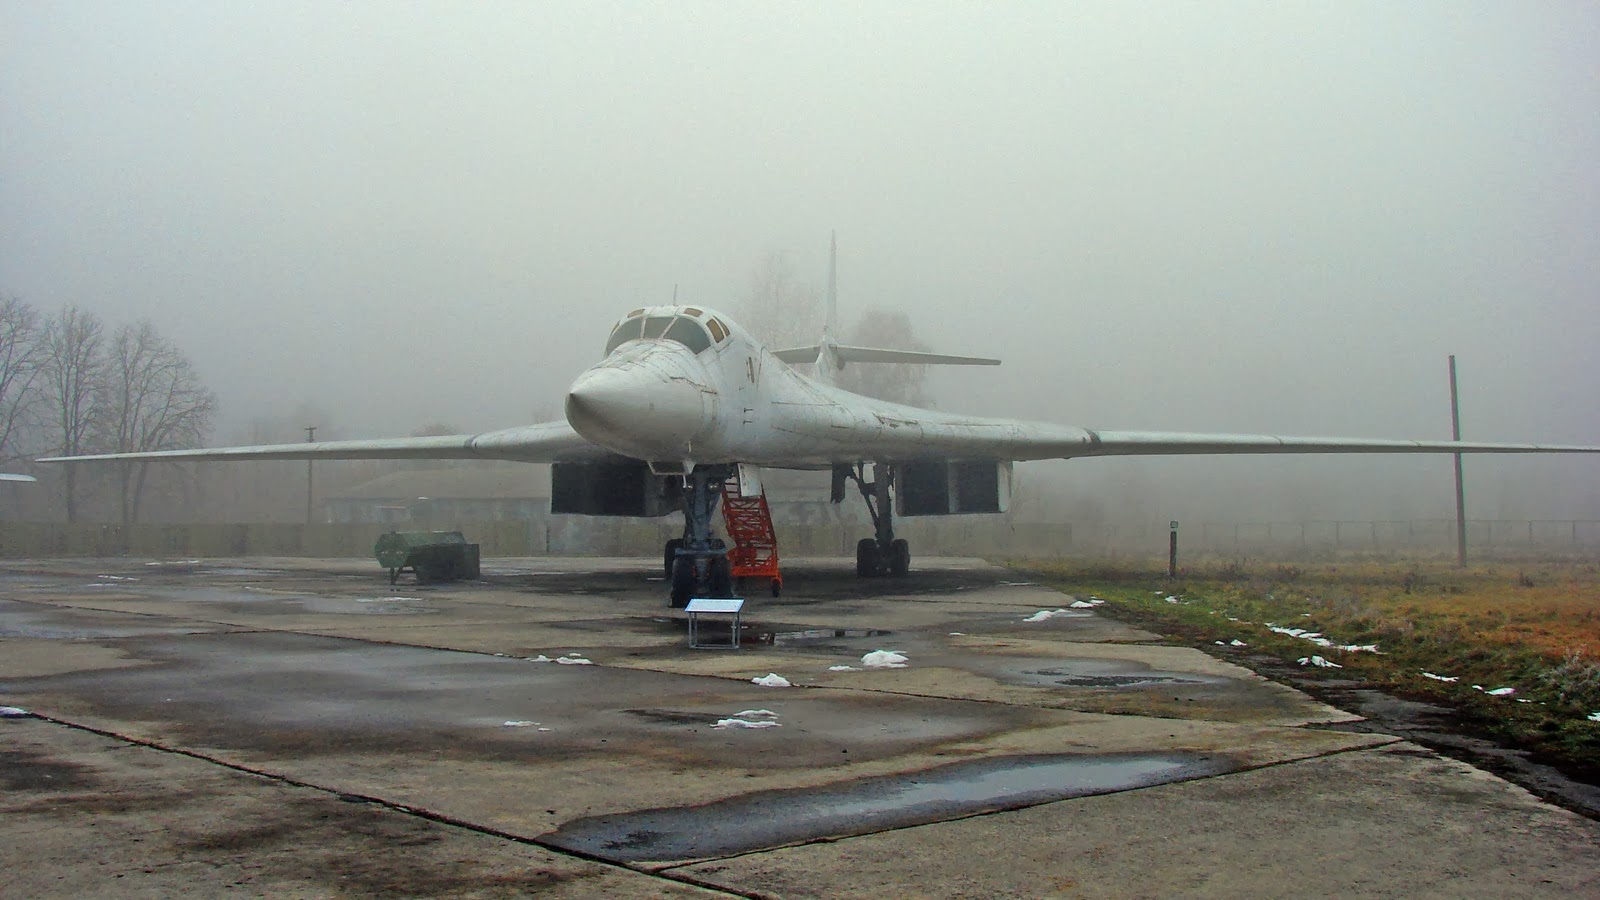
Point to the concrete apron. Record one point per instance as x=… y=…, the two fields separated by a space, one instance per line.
x=450 y=702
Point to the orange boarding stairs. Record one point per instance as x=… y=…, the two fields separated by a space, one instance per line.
x=748 y=520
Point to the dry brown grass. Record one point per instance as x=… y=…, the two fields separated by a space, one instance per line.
x=1534 y=626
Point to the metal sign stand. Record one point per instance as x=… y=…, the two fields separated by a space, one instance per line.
x=702 y=606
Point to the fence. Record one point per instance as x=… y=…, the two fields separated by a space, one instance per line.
x=1315 y=538
x=560 y=536
x=955 y=536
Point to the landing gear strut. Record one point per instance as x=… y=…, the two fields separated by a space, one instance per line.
x=697 y=564
x=882 y=554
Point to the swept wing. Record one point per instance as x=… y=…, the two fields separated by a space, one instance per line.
x=1162 y=443
x=542 y=443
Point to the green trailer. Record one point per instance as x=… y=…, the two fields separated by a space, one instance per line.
x=430 y=555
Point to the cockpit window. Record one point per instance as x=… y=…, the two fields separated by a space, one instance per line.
x=689 y=333
x=656 y=326
x=626 y=331
x=681 y=330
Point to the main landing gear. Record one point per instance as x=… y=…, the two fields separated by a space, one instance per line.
x=697 y=563
x=882 y=554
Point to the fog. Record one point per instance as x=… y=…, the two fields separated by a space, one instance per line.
x=1221 y=216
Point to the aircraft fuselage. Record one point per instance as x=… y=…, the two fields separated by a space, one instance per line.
x=733 y=400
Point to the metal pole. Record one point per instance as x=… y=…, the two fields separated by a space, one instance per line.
x=1461 y=497
x=311 y=436
x=1172 y=551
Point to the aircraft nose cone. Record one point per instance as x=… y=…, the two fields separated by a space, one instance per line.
x=639 y=411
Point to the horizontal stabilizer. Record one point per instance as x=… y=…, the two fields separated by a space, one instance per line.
x=797 y=355
x=880 y=355
x=876 y=355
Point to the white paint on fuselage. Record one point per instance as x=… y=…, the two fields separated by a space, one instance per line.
x=656 y=399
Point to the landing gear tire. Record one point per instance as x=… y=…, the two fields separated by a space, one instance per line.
x=670 y=555
x=777 y=587
x=682 y=582
x=899 y=556
x=721 y=577
x=867 y=563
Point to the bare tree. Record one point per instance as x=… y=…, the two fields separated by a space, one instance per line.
x=896 y=382
x=153 y=400
x=21 y=355
x=73 y=366
x=781 y=310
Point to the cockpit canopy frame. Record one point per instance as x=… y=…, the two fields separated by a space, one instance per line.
x=682 y=325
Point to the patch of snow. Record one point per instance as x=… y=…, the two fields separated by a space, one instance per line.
x=1449 y=678
x=771 y=679
x=516 y=723
x=884 y=659
x=116 y=578
x=1319 y=662
x=1237 y=643
x=575 y=661
x=843 y=669
x=13 y=712
x=1090 y=603
x=1043 y=614
x=745 y=713
x=389 y=600
x=1015 y=583
x=1594 y=717
x=540 y=658
x=1501 y=692
x=1170 y=598
x=746 y=723
x=1316 y=637
x=958 y=634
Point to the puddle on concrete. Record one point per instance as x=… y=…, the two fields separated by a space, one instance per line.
x=630 y=624
x=717 y=630
x=776 y=818
x=257 y=601
x=12 y=578
x=805 y=636
x=1095 y=673
x=25 y=770
x=20 y=620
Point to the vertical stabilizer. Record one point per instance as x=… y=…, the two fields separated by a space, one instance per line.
x=827 y=362
x=830 y=328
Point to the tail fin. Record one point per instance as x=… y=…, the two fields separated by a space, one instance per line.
x=831 y=356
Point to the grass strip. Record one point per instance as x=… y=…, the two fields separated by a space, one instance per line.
x=1475 y=632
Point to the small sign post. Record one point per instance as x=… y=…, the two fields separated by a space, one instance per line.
x=1172 y=550
x=729 y=607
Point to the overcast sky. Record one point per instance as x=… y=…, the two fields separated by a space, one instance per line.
x=1212 y=216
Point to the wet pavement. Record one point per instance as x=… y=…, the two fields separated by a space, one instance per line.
x=283 y=726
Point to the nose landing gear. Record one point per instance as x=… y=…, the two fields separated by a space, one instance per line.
x=697 y=564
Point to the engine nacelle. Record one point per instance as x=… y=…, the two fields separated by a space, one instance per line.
x=952 y=488
x=613 y=489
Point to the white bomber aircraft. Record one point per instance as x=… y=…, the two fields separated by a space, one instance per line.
x=684 y=396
